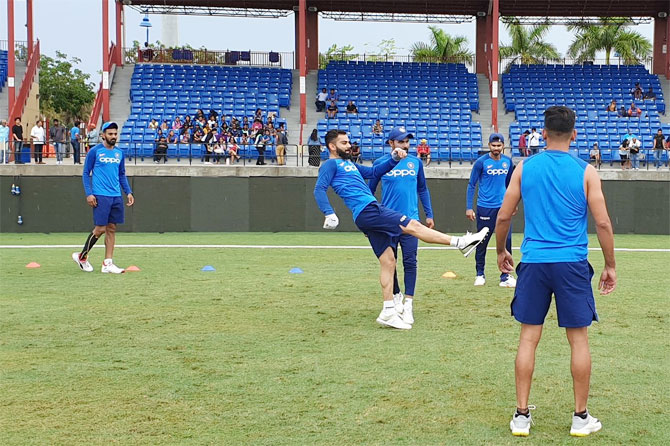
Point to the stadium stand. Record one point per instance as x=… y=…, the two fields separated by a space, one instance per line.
x=432 y=100
x=529 y=89
x=3 y=68
x=164 y=91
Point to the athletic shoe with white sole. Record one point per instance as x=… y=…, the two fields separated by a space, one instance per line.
x=520 y=424
x=581 y=427
x=468 y=242
x=390 y=318
x=408 y=311
x=510 y=282
x=480 y=281
x=109 y=267
x=397 y=301
x=83 y=264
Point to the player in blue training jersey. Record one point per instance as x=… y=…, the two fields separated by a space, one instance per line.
x=382 y=226
x=492 y=171
x=558 y=190
x=401 y=189
x=104 y=176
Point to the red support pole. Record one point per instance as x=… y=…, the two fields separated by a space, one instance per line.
x=11 y=65
x=29 y=25
x=119 y=33
x=302 y=54
x=495 y=19
x=105 y=60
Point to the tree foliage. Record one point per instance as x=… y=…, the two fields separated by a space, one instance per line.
x=336 y=53
x=65 y=90
x=528 y=45
x=611 y=34
x=442 y=48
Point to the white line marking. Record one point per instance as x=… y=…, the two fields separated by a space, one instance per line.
x=447 y=248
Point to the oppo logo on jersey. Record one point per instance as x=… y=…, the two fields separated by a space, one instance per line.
x=109 y=160
x=497 y=171
x=349 y=168
x=401 y=173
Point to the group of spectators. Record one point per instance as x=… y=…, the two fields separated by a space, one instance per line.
x=529 y=142
x=221 y=136
x=630 y=150
x=633 y=111
x=327 y=101
x=12 y=139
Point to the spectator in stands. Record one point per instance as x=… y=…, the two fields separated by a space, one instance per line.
x=185 y=135
x=172 y=137
x=165 y=126
x=355 y=152
x=333 y=95
x=534 y=141
x=636 y=91
x=153 y=125
x=199 y=114
x=623 y=113
x=211 y=122
x=523 y=143
x=258 y=114
x=612 y=106
x=351 y=108
x=623 y=153
x=594 y=154
x=57 y=136
x=321 y=99
x=332 y=110
x=208 y=143
x=261 y=141
x=634 y=111
x=160 y=151
x=4 y=141
x=232 y=151
x=314 y=149
x=629 y=135
x=634 y=150
x=75 y=140
x=17 y=139
x=650 y=94
x=37 y=136
x=177 y=124
x=147 y=53
x=92 y=137
x=423 y=150
x=187 y=121
x=658 y=148
x=159 y=135
x=281 y=142
x=378 y=128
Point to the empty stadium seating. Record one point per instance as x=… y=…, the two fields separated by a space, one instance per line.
x=529 y=89
x=434 y=101
x=161 y=91
x=3 y=68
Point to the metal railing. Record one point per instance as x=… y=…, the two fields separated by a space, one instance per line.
x=210 y=57
x=355 y=57
x=27 y=83
x=614 y=61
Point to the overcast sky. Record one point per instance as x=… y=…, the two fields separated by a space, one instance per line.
x=74 y=27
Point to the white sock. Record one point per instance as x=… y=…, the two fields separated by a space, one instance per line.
x=389 y=305
x=454 y=240
x=408 y=301
x=110 y=261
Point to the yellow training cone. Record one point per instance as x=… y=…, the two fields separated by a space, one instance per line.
x=449 y=275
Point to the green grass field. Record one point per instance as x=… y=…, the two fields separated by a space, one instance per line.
x=252 y=355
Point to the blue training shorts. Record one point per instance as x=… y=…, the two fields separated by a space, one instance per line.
x=569 y=282
x=108 y=210
x=382 y=226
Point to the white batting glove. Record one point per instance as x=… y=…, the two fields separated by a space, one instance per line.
x=331 y=222
x=398 y=154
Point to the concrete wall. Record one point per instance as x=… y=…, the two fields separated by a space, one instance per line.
x=231 y=203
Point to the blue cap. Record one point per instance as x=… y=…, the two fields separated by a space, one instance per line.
x=398 y=134
x=496 y=137
x=109 y=125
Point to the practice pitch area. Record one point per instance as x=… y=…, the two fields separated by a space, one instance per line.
x=251 y=354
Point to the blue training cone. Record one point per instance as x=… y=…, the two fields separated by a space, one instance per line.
x=295 y=271
x=208 y=268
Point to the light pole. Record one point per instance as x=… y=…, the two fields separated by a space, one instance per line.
x=146 y=24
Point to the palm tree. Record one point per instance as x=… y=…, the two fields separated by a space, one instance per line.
x=610 y=34
x=443 y=48
x=528 y=46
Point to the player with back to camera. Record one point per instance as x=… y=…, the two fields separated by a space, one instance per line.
x=104 y=176
x=401 y=189
x=558 y=190
x=382 y=226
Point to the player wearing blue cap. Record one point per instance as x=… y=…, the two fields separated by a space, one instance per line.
x=492 y=171
x=104 y=176
x=382 y=226
x=558 y=190
x=401 y=189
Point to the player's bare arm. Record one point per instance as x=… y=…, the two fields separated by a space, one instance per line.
x=507 y=210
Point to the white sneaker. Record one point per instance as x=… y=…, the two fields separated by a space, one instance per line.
x=510 y=282
x=581 y=427
x=83 y=264
x=390 y=318
x=520 y=424
x=109 y=267
x=480 y=281
x=468 y=242
x=408 y=311
x=397 y=300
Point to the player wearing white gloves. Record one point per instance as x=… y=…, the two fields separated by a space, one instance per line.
x=381 y=225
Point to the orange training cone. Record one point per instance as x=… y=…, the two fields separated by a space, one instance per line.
x=33 y=265
x=133 y=268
